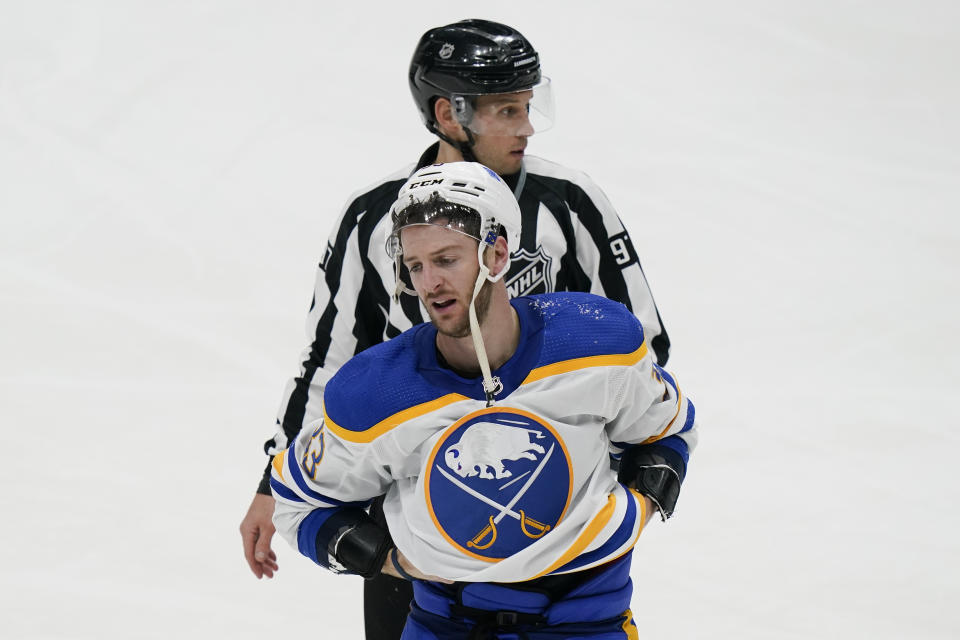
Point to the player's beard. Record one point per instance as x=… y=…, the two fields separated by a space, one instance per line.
x=462 y=328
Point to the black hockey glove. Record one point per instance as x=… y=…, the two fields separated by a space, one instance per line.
x=359 y=546
x=655 y=471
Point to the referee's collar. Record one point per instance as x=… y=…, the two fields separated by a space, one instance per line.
x=430 y=157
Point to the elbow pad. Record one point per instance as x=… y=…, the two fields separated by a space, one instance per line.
x=359 y=546
x=656 y=472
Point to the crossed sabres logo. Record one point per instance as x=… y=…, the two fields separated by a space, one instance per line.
x=494 y=464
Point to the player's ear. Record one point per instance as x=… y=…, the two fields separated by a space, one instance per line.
x=446 y=121
x=500 y=256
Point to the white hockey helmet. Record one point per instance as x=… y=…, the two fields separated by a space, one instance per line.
x=468 y=198
x=469 y=184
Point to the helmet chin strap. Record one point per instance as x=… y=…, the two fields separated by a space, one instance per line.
x=491 y=385
x=400 y=286
x=464 y=147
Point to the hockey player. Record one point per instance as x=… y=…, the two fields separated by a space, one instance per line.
x=490 y=431
x=479 y=88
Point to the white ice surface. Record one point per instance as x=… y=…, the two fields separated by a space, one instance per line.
x=790 y=172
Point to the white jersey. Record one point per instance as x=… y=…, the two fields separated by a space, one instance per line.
x=505 y=493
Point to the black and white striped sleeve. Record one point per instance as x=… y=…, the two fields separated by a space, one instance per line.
x=349 y=311
x=610 y=260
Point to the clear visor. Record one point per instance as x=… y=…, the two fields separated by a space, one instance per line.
x=521 y=113
x=450 y=217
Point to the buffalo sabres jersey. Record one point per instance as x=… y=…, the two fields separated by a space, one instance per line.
x=505 y=493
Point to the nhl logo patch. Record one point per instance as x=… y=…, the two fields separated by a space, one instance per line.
x=529 y=273
x=446 y=51
x=496 y=481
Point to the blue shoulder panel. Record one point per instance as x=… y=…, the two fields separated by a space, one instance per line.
x=580 y=325
x=378 y=383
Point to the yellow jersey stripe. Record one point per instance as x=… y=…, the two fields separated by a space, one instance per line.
x=566 y=366
x=278 y=464
x=385 y=425
x=641 y=523
x=589 y=533
x=629 y=627
x=667 y=429
x=642 y=504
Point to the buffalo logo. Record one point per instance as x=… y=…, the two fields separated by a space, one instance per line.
x=496 y=481
x=529 y=273
x=484 y=447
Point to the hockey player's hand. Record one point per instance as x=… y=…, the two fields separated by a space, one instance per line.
x=409 y=569
x=257 y=530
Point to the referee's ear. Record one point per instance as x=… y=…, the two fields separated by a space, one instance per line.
x=446 y=121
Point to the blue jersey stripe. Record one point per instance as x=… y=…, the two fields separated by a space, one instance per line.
x=283 y=491
x=294 y=470
x=691 y=413
x=668 y=378
x=307 y=534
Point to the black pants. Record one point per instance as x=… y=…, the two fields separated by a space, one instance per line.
x=386 y=600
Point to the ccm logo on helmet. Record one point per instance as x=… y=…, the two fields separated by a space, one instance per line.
x=425 y=183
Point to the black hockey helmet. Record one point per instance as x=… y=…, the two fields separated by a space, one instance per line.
x=470 y=57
